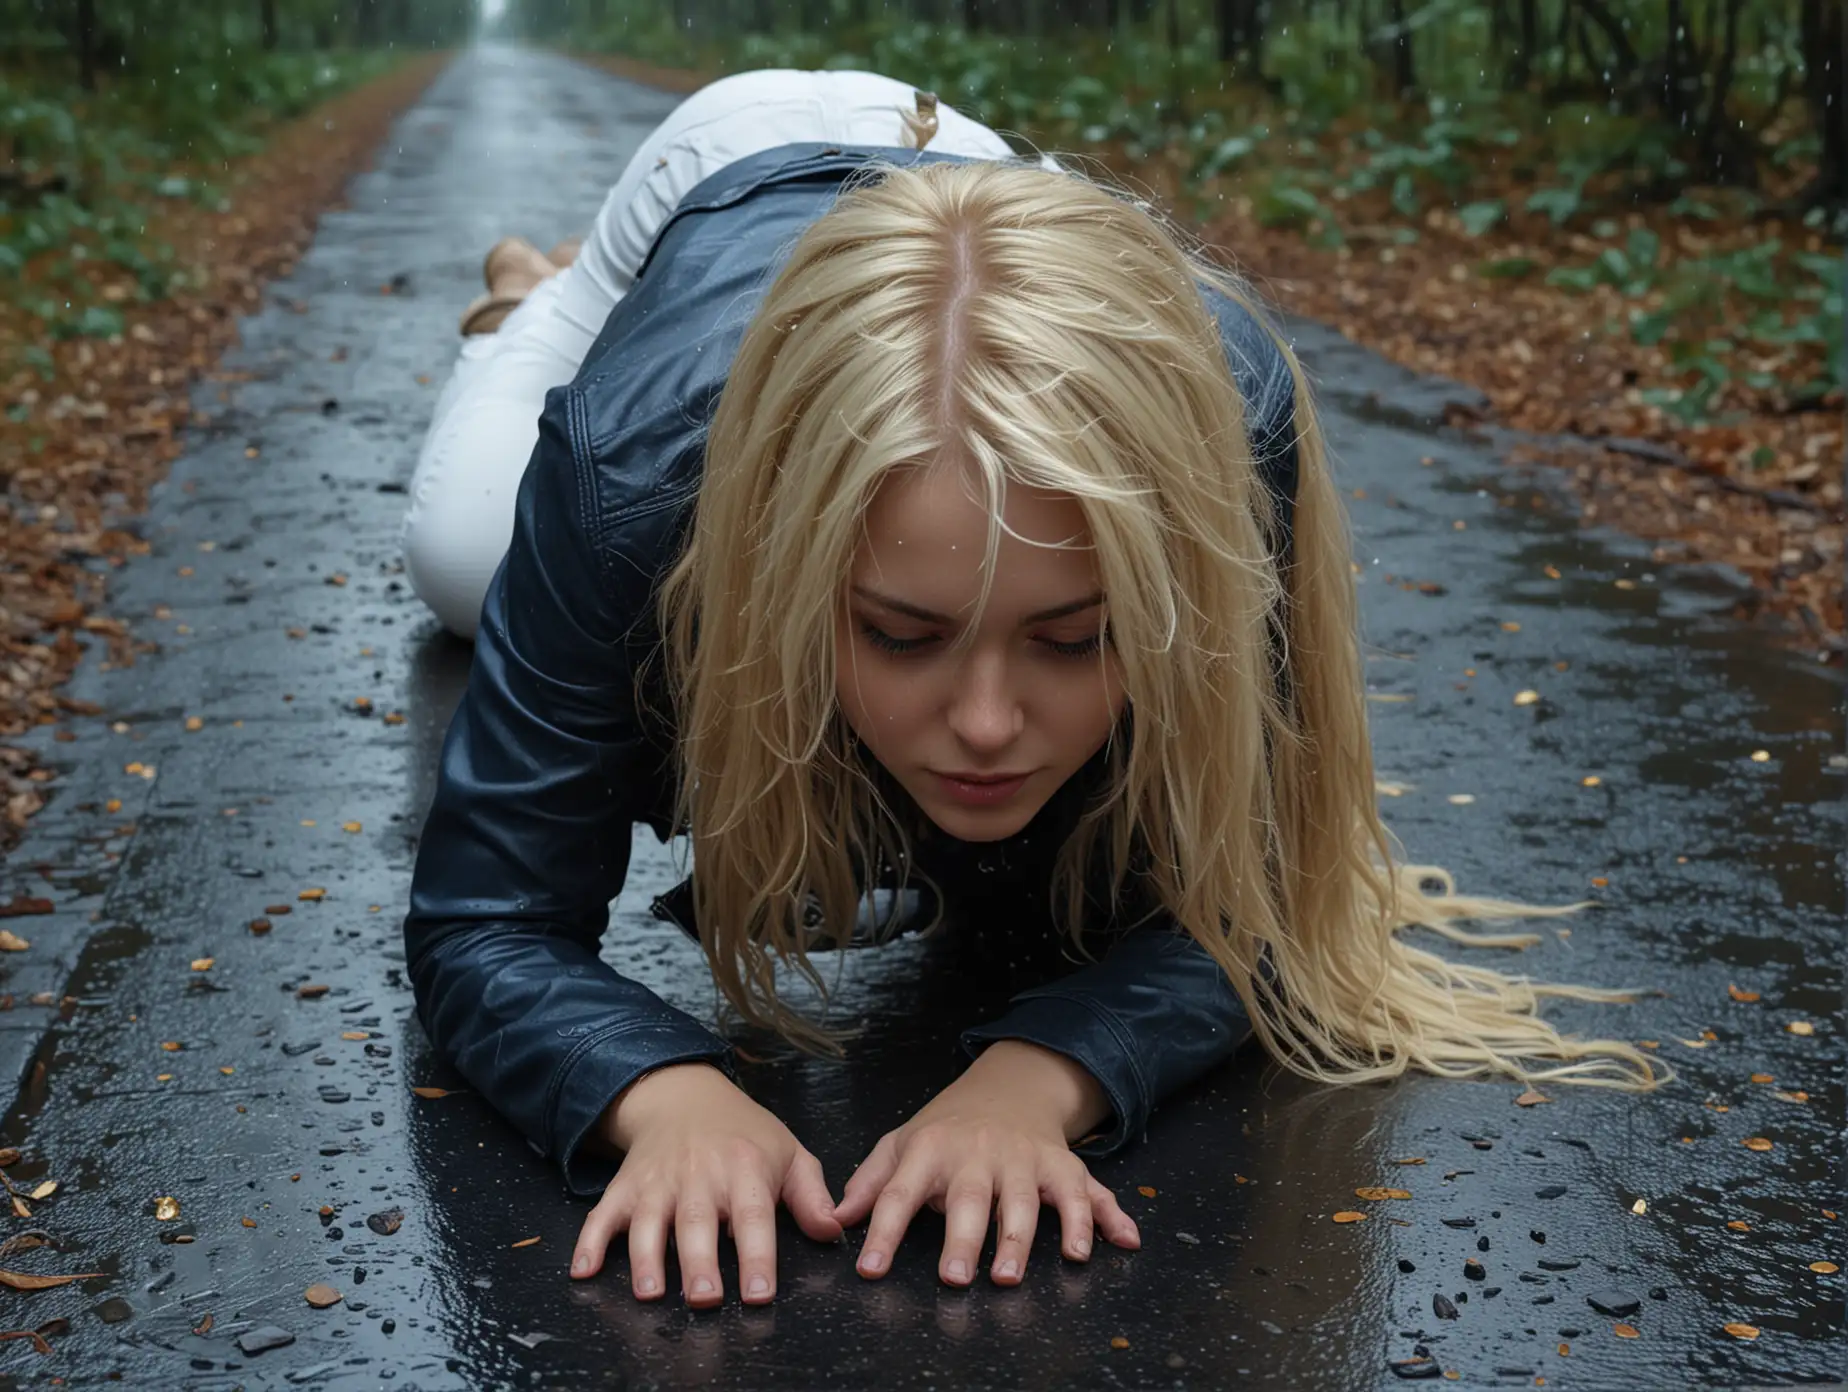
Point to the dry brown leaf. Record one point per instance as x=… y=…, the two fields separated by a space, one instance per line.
x=12 y=942
x=1349 y=1216
x=1742 y=1331
x=356 y=1034
x=248 y=1222
x=312 y=991
x=1824 y=1268
x=24 y=1242
x=1410 y=1160
x=1798 y=1096
x=1378 y=1195
x=203 y=963
x=1739 y=1225
x=19 y=1208
x=1531 y=1098
x=321 y=1296
x=525 y=1242
x=166 y=1208
x=1738 y=995
x=1803 y=1027
x=38 y=1339
x=312 y=896
x=46 y=1189
x=1762 y=1078
x=1626 y=1331
x=1757 y=1143
x=31 y=1281
x=1117 y=1341
x=1145 y=1190
x=204 y=1326
x=434 y=1092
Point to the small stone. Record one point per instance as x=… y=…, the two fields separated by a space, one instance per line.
x=1537 y=1235
x=263 y=1339
x=1658 y=1293
x=1459 y=1222
x=1442 y=1307
x=1406 y=1266
x=386 y=1221
x=387 y=1326
x=1473 y=1270
x=1558 y=1264
x=300 y=1047
x=113 y=1310
x=1615 y=1303
x=1482 y=1244
x=330 y=1093
x=1550 y=1191
x=1416 y=1369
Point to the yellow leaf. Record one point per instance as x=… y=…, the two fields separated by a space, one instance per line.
x=1526 y=698
x=1349 y=1216
x=12 y=942
x=525 y=1242
x=203 y=963
x=1742 y=1331
x=46 y=1190
x=166 y=1208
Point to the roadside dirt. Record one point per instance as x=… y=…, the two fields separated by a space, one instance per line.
x=106 y=425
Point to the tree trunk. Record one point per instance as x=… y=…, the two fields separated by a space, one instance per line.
x=1404 y=67
x=1526 y=43
x=267 y=17
x=86 y=44
x=1711 y=161
x=1825 y=61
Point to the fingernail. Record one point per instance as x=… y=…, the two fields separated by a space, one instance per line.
x=1082 y=1247
x=872 y=1261
x=759 y=1286
x=646 y=1285
x=959 y=1270
x=702 y=1286
x=580 y=1264
x=1008 y=1268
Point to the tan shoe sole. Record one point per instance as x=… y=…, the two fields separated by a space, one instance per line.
x=485 y=313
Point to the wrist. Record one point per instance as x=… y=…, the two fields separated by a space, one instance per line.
x=1045 y=1081
x=629 y=1111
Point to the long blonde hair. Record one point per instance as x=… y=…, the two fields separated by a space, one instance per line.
x=1049 y=330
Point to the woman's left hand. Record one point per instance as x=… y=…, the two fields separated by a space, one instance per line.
x=978 y=1140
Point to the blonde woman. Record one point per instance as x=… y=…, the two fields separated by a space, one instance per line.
x=918 y=516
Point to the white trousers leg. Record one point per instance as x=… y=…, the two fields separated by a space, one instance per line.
x=460 y=516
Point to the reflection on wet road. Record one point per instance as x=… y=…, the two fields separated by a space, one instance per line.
x=278 y=1115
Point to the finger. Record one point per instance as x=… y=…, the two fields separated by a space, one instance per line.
x=600 y=1225
x=865 y=1184
x=696 y=1240
x=967 y=1204
x=805 y=1191
x=1115 y=1224
x=893 y=1211
x=648 y=1251
x=1016 y=1222
x=1072 y=1194
x=753 y=1227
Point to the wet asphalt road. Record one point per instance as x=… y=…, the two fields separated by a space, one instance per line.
x=323 y=690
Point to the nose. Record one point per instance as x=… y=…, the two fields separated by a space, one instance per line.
x=984 y=711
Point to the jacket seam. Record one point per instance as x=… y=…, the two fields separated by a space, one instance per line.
x=582 y=466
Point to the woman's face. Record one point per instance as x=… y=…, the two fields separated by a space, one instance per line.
x=1029 y=697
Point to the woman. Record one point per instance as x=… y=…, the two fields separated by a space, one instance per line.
x=917 y=513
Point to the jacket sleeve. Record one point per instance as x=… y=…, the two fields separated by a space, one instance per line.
x=1152 y=1015
x=544 y=771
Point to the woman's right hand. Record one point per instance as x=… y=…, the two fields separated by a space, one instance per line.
x=697 y=1150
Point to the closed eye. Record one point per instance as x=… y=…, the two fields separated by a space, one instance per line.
x=887 y=643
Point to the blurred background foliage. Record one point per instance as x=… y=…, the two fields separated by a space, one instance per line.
x=1687 y=154
x=111 y=110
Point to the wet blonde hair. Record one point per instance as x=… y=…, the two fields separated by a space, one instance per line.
x=1045 y=330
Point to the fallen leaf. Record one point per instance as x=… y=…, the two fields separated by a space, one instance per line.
x=1526 y=698
x=1146 y=1191
x=1791 y=1096
x=1738 y=995
x=352 y=827
x=1410 y=1160
x=1824 y=1268
x=172 y=1046
x=1590 y=780
x=1119 y=1342
x=1761 y=756
x=166 y=1208
x=1693 y=1043
x=312 y=991
x=12 y=942
x=525 y=1242
x=1379 y=1195
x=1349 y=1216
x=1625 y=1331
x=1530 y=1098
x=1742 y=1331
x=1641 y=1206
x=433 y=1092
x=24 y=1242
x=248 y=1222
x=194 y=723
x=38 y=1339
x=19 y=1208
x=204 y=1326
x=356 y=1034
x=321 y=1296
x=313 y=896
x=203 y=963
x=1739 y=1225
x=46 y=1189
x=1800 y=1027
x=1462 y=799
x=1757 y=1143
x=1762 y=1078
x=260 y=926
x=28 y=1281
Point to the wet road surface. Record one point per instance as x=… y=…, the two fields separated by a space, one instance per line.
x=281 y=1119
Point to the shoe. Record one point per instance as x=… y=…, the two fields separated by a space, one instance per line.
x=486 y=312
x=515 y=258
x=565 y=252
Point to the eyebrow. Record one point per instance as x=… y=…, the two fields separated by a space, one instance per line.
x=899 y=606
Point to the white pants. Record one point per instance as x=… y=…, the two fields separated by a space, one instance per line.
x=460 y=518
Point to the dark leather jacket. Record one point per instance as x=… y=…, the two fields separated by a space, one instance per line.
x=548 y=763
